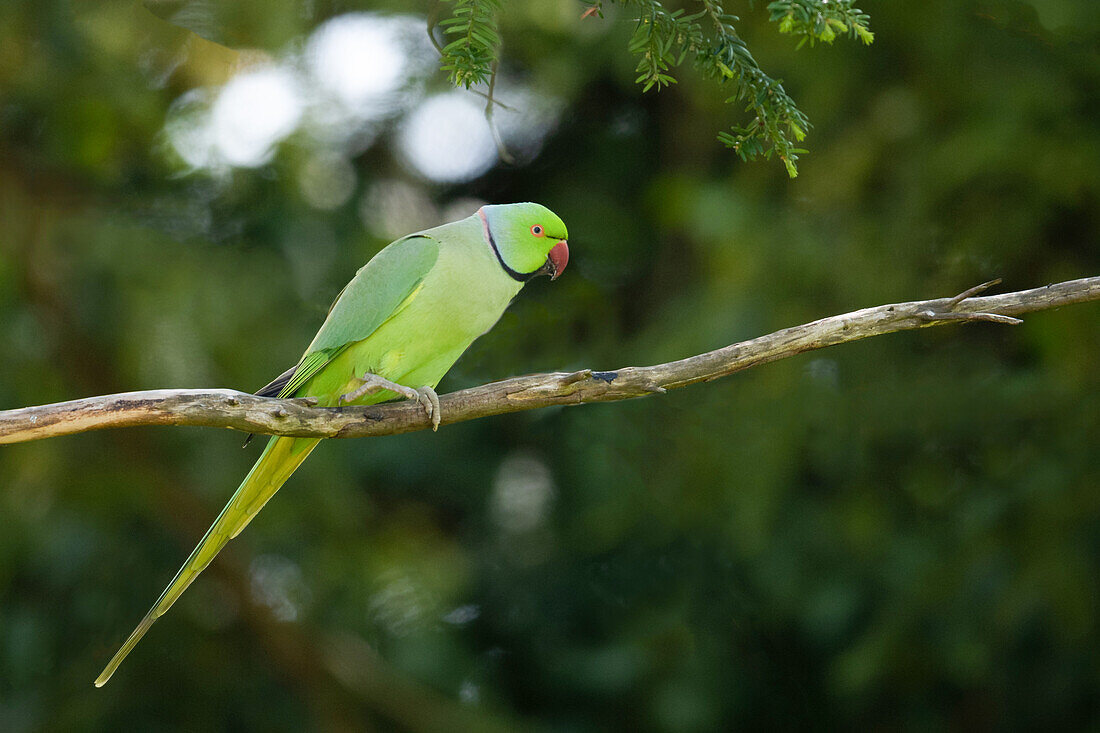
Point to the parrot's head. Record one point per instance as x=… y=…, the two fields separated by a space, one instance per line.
x=528 y=239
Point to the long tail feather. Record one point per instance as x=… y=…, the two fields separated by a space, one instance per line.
x=280 y=459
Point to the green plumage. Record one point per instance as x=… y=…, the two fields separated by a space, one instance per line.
x=407 y=316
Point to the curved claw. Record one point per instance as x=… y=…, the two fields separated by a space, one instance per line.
x=427 y=397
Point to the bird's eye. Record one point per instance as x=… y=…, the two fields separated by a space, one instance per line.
x=536 y=230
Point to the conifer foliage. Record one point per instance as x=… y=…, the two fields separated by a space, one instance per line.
x=665 y=38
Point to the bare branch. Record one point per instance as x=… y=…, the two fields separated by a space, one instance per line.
x=231 y=409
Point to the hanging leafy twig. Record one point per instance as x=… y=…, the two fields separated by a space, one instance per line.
x=663 y=39
x=469 y=58
x=778 y=124
x=461 y=61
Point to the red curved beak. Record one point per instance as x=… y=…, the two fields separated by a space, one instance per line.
x=558 y=259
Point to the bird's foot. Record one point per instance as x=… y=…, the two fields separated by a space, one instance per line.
x=425 y=395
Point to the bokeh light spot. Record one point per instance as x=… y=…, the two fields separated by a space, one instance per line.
x=253 y=112
x=446 y=139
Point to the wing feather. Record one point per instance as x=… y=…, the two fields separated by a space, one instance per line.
x=381 y=288
x=376 y=291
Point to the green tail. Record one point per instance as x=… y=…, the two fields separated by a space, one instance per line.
x=280 y=459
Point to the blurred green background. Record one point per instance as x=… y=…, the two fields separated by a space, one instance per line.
x=900 y=533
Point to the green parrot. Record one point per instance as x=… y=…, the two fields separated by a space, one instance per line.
x=394 y=330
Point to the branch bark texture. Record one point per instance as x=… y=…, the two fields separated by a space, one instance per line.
x=226 y=408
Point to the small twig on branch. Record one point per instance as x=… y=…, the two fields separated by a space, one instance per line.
x=949 y=312
x=226 y=408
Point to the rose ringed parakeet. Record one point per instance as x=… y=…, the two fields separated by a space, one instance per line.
x=394 y=330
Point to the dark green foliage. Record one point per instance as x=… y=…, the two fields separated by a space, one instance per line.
x=664 y=38
x=778 y=123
